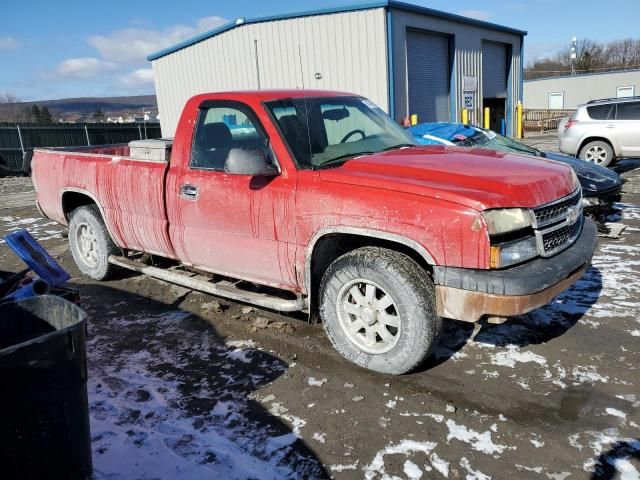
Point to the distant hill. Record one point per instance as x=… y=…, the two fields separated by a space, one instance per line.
x=74 y=107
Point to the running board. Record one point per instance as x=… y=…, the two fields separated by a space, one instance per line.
x=221 y=289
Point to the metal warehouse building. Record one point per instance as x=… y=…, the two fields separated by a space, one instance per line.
x=570 y=91
x=407 y=59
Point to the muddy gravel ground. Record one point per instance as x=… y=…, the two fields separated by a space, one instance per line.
x=185 y=385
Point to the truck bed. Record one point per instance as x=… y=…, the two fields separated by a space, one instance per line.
x=116 y=182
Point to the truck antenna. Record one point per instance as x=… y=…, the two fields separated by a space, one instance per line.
x=304 y=97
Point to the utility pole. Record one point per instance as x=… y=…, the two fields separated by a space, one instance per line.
x=574 y=55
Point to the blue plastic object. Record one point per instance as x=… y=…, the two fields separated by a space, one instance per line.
x=434 y=133
x=32 y=289
x=37 y=258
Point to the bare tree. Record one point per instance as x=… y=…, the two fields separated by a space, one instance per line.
x=591 y=56
x=623 y=53
x=10 y=109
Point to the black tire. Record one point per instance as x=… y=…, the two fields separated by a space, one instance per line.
x=409 y=287
x=598 y=152
x=95 y=264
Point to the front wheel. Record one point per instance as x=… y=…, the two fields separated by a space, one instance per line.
x=90 y=243
x=597 y=152
x=379 y=311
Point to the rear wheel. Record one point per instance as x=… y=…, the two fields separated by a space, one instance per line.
x=597 y=152
x=378 y=309
x=90 y=243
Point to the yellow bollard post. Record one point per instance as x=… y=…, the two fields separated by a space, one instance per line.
x=465 y=116
x=414 y=119
x=487 y=118
x=519 y=120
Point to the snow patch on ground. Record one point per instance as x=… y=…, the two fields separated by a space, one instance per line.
x=481 y=442
x=319 y=437
x=405 y=447
x=514 y=355
x=439 y=464
x=177 y=405
x=471 y=473
x=411 y=470
x=316 y=383
x=342 y=468
x=39 y=228
x=616 y=413
x=610 y=450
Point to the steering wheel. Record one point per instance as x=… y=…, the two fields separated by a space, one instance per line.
x=351 y=133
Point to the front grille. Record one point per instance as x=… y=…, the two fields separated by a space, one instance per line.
x=558 y=224
x=557 y=239
x=556 y=211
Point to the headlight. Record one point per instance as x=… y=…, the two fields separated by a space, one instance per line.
x=507 y=220
x=511 y=253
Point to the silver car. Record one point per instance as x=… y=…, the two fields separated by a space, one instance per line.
x=602 y=130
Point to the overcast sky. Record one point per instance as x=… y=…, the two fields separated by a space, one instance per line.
x=73 y=48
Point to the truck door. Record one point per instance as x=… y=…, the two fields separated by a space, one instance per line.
x=234 y=225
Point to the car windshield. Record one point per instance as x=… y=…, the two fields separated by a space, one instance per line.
x=482 y=138
x=323 y=132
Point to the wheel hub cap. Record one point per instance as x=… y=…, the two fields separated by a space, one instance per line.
x=368 y=316
x=87 y=244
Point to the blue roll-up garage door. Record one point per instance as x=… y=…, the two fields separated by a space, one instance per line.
x=428 y=76
x=494 y=70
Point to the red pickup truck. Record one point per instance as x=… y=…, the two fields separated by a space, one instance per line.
x=317 y=201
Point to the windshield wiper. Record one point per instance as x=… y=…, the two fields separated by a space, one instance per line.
x=528 y=151
x=344 y=158
x=400 y=145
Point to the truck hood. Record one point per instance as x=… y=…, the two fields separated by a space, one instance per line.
x=477 y=178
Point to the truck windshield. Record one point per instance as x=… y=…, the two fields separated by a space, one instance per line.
x=323 y=132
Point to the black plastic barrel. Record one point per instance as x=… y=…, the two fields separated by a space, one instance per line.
x=44 y=417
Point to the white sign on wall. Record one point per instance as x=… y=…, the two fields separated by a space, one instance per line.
x=470 y=84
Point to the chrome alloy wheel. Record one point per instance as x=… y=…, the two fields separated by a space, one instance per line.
x=596 y=154
x=87 y=244
x=368 y=316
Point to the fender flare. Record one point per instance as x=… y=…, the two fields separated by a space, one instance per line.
x=594 y=138
x=98 y=204
x=365 y=232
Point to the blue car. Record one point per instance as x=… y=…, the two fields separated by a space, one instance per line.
x=600 y=186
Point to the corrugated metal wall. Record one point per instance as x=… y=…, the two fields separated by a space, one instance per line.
x=349 y=50
x=467 y=43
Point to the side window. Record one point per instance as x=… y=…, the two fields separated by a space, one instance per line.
x=600 y=112
x=628 y=111
x=347 y=123
x=218 y=131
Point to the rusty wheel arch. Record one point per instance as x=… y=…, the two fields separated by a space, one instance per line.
x=72 y=198
x=332 y=242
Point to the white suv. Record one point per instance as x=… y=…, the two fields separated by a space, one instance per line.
x=602 y=130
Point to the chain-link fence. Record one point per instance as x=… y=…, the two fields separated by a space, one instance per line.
x=17 y=138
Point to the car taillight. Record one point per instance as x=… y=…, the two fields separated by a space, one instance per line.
x=569 y=124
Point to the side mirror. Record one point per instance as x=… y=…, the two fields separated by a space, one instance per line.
x=243 y=161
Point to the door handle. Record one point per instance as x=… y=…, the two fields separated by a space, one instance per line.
x=609 y=126
x=189 y=192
